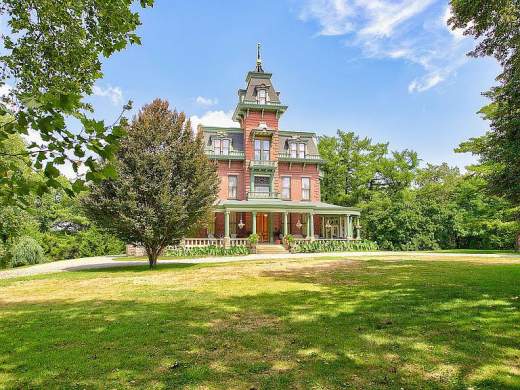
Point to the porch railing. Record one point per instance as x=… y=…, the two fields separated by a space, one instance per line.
x=239 y=242
x=200 y=242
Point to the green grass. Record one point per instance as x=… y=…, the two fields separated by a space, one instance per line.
x=327 y=324
x=477 y=251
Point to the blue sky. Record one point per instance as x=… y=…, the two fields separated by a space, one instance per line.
x=386 y=69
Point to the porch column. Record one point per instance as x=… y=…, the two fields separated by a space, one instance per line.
x=311 y=226
x=358 y=229
x=340 y=227
x=349 y=235
x=253 y=222
x=285 y=231
x=345 y=226
x=227 y=239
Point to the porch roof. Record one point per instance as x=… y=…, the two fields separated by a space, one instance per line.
x=278 y=205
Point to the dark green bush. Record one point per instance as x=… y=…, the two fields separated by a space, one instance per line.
x=26 y=251
x=335 y=246
x=90 y=242
x=210 y=250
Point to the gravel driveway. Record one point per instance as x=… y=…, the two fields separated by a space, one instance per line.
x=107 y=261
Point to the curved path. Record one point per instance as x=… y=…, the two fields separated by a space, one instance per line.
x=108 y=261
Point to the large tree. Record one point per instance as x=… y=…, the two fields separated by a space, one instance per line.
x=164 y=185
x=51 y=55
x=496 y=25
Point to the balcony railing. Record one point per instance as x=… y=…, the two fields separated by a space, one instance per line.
x=308 y=158
x=231 y=155
x=263 y=195
x=263 y=164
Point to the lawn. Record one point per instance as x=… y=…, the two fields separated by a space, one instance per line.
x=327 y=324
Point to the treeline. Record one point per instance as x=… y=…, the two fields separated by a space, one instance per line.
x=48 y=227
x=409 y=207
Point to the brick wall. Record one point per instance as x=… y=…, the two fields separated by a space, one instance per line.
x=250 y=122
x=226 y=169
x=296 y=172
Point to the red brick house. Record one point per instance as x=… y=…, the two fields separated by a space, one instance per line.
x=270 y=178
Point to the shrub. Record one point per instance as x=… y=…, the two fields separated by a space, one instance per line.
x=210 y=250
x=335 y=246
x=289 y=239
x=26 y=251
x=253 y=239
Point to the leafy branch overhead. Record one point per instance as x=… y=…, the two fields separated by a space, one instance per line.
x=53 y=56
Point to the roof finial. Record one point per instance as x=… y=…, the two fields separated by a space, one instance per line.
x=258 y=59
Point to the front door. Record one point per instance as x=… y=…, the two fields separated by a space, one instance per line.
x=262 y=226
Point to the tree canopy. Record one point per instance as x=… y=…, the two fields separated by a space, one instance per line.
x=51 y=58
x=164 y=185
x=496 y=26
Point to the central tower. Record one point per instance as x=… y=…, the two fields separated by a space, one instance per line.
x=258 y=111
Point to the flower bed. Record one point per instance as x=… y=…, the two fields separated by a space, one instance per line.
x=335 y=246
x=210 y=250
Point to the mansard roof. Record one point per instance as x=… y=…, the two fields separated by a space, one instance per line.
x=236 y=135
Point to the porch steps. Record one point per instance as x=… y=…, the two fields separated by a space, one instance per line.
x=270 y=249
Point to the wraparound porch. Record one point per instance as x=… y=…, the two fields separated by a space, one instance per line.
x=273 y=219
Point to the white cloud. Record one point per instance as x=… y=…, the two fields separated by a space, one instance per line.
x=115 y=94
x=409 y=30
x=214 y=118
x=458 y=33
x=204 y=101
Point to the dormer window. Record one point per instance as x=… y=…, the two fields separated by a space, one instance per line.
x=262 y=96
x=297 y=149
x=221 y=146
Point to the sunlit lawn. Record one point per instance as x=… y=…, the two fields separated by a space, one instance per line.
x=367 y=324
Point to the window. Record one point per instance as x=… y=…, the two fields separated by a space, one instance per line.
x=232 y=187
x=221 y=146
x=262 y=96
x=286 y=187
x=224 y=147
x=301 y=150
x=262 y=149
x=293 y=150
x=297 y=150
x=262 y=184
x=306 y=188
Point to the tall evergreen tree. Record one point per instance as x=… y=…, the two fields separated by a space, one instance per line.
x=164 y=182
x=497 y=26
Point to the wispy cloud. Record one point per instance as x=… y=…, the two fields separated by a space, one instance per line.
x=115 y=94
x=204 y=101
x=408 y=30
x=214 y=118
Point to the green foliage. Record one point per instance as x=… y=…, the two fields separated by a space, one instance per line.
x=165 y=183
x=51 y=59
x=26 y=251
x=496 y=26
x=289 y=239
x=253 y=239
x=409 y=208
x=354 y=168
x=90 y=242
x=335 y=246
x=210 y=250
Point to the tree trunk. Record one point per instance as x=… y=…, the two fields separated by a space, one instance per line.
x=518 y=242
x=152 y=257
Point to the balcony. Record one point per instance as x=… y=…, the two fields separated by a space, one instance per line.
x=231 y=155
x=263 y=195
x=309 y=158
x=264 y=165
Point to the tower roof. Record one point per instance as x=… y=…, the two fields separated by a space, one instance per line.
x=259 y=92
